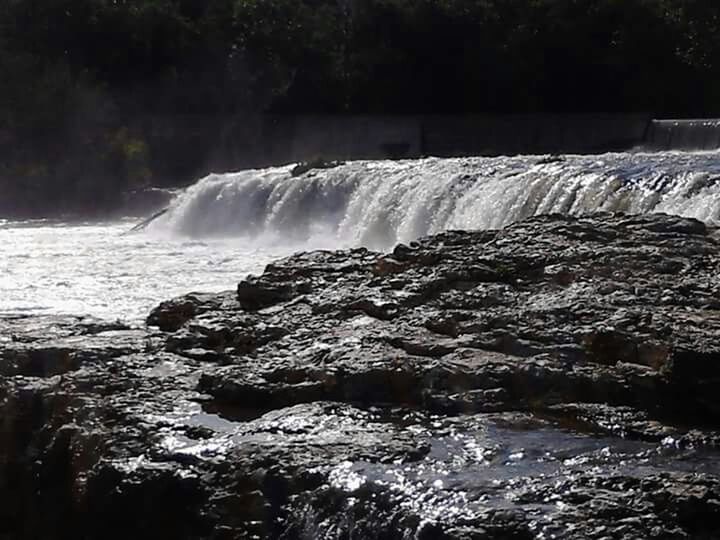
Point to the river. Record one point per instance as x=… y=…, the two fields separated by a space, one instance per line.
x=229 y=225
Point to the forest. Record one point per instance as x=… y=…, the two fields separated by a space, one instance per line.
x=82 y=80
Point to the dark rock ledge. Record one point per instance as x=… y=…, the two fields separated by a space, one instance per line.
x=556 y=379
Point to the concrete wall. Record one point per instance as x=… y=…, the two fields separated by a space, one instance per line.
x=297 y=138
x=531 y=134
x=683 y=135
x=186 y=147
x=284 y=139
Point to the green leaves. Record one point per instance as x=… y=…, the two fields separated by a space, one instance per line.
x=378 y=55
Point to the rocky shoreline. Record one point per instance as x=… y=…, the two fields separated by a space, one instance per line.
x=559 y=378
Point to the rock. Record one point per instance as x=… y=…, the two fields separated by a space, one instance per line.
x=173 y=314
x=558 y=378
x=317 y=163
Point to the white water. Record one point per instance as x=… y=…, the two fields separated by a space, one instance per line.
x=227 y=226
x=380 y=203
x=96 y=269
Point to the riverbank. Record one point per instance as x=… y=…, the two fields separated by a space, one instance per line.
x=556 y=377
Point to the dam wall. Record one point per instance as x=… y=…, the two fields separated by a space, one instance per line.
x=297 y=138
x=184 y=148
x=531 y=134
x=699 y=134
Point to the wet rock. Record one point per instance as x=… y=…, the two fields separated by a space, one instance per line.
x=173 y=314
x=253 y=294
x=558 y=378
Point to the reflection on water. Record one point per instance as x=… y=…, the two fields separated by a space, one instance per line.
x=465 y=466
x=498 y=466
x=227 y=226
x=98 y=270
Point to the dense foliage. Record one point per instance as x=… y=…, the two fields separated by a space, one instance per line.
x=81 y=77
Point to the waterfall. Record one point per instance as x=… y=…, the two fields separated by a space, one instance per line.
x=380 y=203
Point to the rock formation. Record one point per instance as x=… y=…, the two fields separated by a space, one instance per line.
x=557 y=378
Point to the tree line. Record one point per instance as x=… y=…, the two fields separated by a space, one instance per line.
x=73 y=73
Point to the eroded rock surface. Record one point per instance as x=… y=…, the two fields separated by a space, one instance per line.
x=556 y=379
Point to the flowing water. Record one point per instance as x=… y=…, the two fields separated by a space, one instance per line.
x=229 y=225
x=99 y=270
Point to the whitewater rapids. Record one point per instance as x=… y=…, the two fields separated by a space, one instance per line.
x=227 y=226
x=380 y=203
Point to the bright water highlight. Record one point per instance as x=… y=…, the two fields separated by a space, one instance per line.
x=227 y=226
x=380 y=203
x=96 y=269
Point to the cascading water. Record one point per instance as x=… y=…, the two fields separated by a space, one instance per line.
x=380 y=203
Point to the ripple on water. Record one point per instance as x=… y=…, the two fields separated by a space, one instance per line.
x=485 y=465
x=97 y=270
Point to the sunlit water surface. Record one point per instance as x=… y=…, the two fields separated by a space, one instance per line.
x=229 y=225
x=99 y=270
